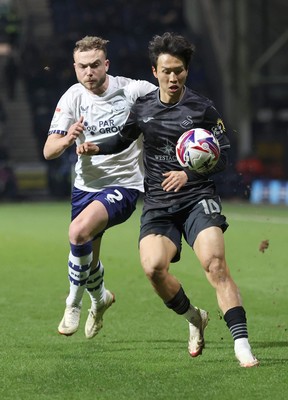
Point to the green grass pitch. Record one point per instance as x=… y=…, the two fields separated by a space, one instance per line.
x=141 y=353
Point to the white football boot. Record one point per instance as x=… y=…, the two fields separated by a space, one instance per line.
x=70 y=321
x=196 y=341
x=95 y=317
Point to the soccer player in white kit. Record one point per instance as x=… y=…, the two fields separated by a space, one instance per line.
x=106 y=188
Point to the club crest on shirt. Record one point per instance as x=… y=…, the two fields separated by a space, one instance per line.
x=187 y=123
x=118 y=105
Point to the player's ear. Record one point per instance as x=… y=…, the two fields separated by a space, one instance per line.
x=107 y=65
x=154 y=72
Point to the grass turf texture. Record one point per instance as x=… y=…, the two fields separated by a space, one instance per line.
x=141 y=353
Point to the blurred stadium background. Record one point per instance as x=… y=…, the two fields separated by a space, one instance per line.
x=241 y=63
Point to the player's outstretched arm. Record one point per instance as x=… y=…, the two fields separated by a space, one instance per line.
x=112 y=145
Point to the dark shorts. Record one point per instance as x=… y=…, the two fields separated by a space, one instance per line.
x=119 y=202
x=187 y=220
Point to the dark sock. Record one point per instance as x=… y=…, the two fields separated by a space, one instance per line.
x=235 y=319
x=180 y=302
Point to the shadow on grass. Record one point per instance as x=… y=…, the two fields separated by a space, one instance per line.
x=268 y=345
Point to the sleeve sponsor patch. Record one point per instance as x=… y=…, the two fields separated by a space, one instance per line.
x=219 y=128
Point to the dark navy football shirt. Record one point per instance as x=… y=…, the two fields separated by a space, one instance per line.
x=162 y=125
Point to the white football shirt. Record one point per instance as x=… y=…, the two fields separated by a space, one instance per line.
x=104 y=115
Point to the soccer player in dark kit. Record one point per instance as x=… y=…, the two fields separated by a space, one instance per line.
x=180 y=202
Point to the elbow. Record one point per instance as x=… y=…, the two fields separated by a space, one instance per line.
x=221 y=165
x=48 y=155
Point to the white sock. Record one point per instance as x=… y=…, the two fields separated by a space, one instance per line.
x=243 y=352
x=95 y=286
x=242 y=345
x=78 y=270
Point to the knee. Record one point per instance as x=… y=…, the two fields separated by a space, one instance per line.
x=155 y=270
x=217 y=269
x=77 y=235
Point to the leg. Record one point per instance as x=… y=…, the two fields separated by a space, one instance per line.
x=95 y=284
x=114 y=206
x=210 y=250
x=92 y=220
x=156 y=252
x=101 y=298
x=92 y=213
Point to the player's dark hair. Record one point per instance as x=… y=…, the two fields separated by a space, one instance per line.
x=173 y=44
x=91 y=43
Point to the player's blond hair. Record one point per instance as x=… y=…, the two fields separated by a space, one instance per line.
x=91 y=43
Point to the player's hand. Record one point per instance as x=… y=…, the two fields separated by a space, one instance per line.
x=74 y=131
x=174 y=180
x=88 y=149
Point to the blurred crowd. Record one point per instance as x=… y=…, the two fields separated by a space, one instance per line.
x=47 y=68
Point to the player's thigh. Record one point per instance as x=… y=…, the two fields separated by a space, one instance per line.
x=209 y=246
x=156 y=252
x=92 y=220
x=204 y=214
x=92 y=213
x=160 y=224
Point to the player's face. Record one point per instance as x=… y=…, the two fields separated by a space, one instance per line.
x=171 y=74
x=91 y=68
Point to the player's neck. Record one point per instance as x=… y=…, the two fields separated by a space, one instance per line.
x=171 y=100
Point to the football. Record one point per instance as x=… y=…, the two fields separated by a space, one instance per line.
x=198 y=150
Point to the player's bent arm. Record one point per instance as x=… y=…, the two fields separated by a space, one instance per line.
x=114 y=144
x=109 y=146
x=222 y=163
x=121 y=141
x=55 y=145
